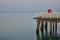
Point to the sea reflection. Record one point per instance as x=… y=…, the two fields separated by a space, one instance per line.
x=45 y=36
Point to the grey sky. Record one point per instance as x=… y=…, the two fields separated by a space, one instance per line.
x=29 y=5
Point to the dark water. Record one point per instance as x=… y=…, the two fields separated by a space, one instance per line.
x=21 y=26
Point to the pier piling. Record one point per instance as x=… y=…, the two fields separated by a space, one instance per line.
x=55 y=28
x=46 y=27
x=50 y=27
x=37 y=28
x=42 y=26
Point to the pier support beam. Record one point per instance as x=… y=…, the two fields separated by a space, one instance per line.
x=42 y=29
x=50 y=27
x=46 y=27
x=55 y=28
x=37 y=28
x=42 y=25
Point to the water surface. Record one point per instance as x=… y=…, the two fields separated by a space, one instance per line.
x=20 y=26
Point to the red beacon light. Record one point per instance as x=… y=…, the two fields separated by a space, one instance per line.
x=49 y=11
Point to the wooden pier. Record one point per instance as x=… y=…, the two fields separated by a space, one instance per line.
x=53 y=20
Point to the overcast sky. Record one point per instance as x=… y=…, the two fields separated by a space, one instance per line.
x=29 y=5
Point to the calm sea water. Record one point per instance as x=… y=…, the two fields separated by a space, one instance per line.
x=21 y=26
